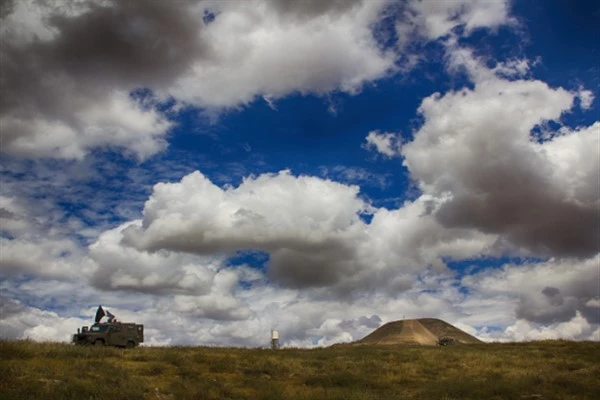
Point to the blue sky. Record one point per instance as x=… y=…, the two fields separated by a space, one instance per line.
x=319 y=167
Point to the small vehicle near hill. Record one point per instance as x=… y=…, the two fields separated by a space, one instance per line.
x=110 y=333
x=446 y=341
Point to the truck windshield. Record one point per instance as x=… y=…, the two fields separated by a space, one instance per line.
x=100 y=328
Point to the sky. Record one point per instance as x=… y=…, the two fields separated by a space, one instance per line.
x=218 y=169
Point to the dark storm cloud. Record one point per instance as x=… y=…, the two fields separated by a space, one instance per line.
x=134 y=43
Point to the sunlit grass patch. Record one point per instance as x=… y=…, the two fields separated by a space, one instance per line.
x=537 y=370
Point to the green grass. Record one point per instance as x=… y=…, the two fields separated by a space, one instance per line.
x=536 y=370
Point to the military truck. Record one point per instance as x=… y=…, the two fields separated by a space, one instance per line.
x=110 y=333
x=446 y=341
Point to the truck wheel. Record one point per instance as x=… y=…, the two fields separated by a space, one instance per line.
x=99 y=342
x=130 y=344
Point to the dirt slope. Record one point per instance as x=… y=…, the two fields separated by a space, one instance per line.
x=443 y=329
x=424 y=331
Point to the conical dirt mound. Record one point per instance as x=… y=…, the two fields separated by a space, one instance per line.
x=424 y=331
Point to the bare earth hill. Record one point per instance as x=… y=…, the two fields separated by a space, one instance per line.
x=423 y=331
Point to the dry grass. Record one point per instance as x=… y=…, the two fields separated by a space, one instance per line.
x=537 y=370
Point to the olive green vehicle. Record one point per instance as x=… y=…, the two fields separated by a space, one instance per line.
x=111 y=333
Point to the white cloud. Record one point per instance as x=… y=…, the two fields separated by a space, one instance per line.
x=586 y=97
x=116 y=121
x=573 y=155
x=233 y=315
x=397 y=269
x=512 y=68
x=310 y=227
x=32 y=245
x=68 y=93
x=475 y=150
x=385 y=143
x=67 y=71
x=334 y=259
x=263 y=50
x=304 y=222
x=51 y=258
x=522 y=330
x=408 y=240
x=13 y=216
x=488 y=188
x=436 y=19
x=124 y=268
x=593 y=303
x=21 y=322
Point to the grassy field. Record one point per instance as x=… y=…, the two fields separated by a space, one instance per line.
x=537 y=370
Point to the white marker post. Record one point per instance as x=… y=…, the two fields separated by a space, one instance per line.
x=274 y=339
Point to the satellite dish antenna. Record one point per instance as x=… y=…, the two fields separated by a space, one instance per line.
x=274 y=339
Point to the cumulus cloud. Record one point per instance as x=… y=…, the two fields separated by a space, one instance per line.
x=409 y=240
x=44 y=257
x=218 y=304
x=274 y=48
x=397 y=269
x=475 y=148
x=90 y=74
x=320 y=256
x=311 y=228
x=304 y=222
x=67 y=71
x=243 y=316
x=66 y=87
x=125 y=268
x=32 y=246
